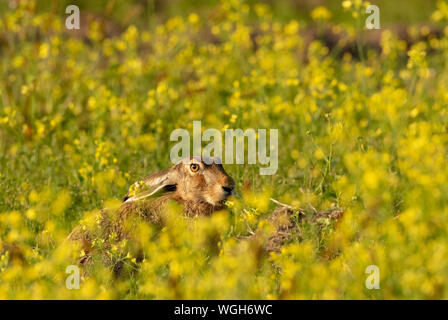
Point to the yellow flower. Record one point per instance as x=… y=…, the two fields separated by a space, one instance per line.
x=320 y=13
x=346 y=4
x=44 y=49
x=24 y=90
x=193 y=18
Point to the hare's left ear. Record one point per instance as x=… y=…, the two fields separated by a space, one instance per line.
x=155 y=185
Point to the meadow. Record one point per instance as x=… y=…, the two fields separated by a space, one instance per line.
x=364 y=129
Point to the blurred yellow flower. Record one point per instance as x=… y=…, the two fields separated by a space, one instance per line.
x=320 y=13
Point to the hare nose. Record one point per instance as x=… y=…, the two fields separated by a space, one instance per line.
x=227 y=190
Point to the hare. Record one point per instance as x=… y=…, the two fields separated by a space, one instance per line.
x=200 y=184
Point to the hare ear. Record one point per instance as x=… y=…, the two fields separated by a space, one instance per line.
x=155 y=185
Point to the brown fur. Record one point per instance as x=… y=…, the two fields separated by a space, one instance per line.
x=200 y=193
x=285 y=220
x=285 y=227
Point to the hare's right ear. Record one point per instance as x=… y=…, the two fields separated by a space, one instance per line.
x=155 y=185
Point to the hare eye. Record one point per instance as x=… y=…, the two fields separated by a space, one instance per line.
x=194 y=167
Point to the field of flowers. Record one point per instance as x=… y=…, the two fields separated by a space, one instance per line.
x=83 y=115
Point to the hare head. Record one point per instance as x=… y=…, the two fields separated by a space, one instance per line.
x=192 y=180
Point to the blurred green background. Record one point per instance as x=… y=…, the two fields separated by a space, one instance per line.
x=150 y=12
